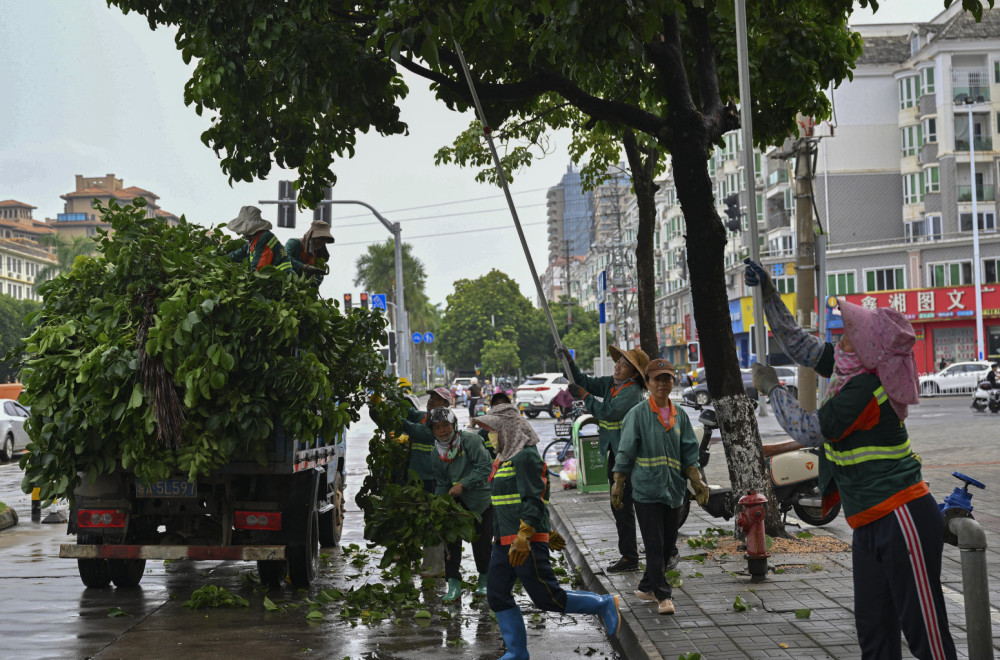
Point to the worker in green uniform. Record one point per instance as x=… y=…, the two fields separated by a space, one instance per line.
x=262 y=248
x=659 y=450
x=522 y=539
x=312 y=250
x=461 y=468
x=608 y=399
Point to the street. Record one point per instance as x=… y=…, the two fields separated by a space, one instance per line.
x=48 y=613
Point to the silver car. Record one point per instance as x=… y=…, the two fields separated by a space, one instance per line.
x=14 y=437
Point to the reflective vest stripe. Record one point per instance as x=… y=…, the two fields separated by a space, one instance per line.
x=271 y=243
x=880 y=395
x=285 y=266
x=863 y=454
x=658 y=460
x=505 y=472
x=502 y=500
x=611 y=426
x=419 y=446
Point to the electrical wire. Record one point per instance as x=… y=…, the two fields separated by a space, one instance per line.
x=459 y=201
x=435 y=217
x=450 y=233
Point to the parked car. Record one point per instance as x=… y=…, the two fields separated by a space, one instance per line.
x=460 y=390
x=699 y=393
x=13 y=437
x=789 y=377
x=536 y=393
x=957 y=378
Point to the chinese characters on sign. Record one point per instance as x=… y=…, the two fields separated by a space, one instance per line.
x=931 y=304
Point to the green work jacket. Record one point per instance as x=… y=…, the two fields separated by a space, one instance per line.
x=655 y=457
x=610 y=410
x=264 y=249
x=421 y=443
x=470 y=467
x=297 y=253
x=518 y=489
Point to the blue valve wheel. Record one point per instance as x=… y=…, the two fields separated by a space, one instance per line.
x=969 y=480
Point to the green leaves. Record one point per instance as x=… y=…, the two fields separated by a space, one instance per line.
x=213 y=596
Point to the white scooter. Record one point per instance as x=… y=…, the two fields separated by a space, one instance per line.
x=986 y=396
x=794 y=478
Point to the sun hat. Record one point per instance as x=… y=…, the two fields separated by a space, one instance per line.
x=442 y=392
x=248 y=222
x=514 y=433
x=319 y=229
x=636 y=357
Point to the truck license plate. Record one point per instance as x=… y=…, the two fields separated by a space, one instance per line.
x=167 y=488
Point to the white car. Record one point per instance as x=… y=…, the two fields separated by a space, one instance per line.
x=789 y=377
x=13 y=437
x=957 y=378
x=460 y=390
x=535 y=394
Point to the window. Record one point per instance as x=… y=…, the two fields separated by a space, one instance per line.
x=913 y=188
x=910 y=139
x=990 y=270
x=996 y=71
x=785 y=284
x=987 y=221
x=838 y=284
x=930 y=130
x=955 y=273
x=909 y=92
x=884 y=279
x=931 y=179
x=927 y=79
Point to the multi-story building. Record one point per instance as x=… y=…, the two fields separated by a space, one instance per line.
x=570 y=217
x=80 y=218
x=22 y=258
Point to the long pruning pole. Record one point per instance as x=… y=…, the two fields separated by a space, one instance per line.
x=513 y=211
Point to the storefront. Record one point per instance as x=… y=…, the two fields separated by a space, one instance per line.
x=944 y=320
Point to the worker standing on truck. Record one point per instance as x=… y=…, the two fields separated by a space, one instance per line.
x=608 y=399
x=262 y=248
x=311 y=250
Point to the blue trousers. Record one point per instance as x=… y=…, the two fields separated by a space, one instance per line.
x=536 y=577
x=897 y=584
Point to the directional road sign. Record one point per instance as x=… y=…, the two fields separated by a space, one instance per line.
x=378 y=301
x=417 y=337
x=428 y=337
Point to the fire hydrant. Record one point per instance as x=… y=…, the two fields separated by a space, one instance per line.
x=751 y=520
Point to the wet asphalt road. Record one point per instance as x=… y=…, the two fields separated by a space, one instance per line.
x=48 y=613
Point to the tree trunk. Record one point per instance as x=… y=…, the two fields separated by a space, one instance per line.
x=645 y=195
x=706 y=243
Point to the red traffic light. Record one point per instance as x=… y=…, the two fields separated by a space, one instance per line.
x=364 y=301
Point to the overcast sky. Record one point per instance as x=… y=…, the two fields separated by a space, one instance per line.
x=91 y=91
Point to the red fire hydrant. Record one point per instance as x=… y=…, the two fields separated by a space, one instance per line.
x=751 y=520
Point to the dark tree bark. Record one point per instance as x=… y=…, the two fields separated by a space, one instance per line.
x=642 y=162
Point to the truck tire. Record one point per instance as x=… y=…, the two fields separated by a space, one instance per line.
x=303 y=554
x=272 y=573
x=331 y=523
x=126 y=573
x=93 y=572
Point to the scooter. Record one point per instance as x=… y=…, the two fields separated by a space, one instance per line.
x=986 y=396
x=794 y=478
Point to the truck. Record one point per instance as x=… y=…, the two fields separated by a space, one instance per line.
x=277 y=513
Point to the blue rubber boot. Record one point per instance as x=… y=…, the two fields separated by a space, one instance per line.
x=586 y=602
x=514 y=634
x=454 y=590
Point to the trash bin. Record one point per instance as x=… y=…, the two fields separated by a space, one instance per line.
x=591 y=462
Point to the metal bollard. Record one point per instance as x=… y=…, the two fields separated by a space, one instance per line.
x=36 y=505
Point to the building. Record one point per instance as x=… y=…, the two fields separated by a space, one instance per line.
x=80 y=218
x=570 y=214
x=22 y=257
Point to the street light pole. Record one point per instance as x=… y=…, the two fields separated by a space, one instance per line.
x=976 y=276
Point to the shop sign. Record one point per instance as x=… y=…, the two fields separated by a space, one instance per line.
x=941 y=303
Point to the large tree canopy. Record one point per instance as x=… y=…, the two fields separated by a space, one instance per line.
x=376 y=272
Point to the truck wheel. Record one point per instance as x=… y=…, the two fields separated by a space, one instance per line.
x=331 y=523
x=531 y=414
x=272 y=573
x=303 y=555
x=93 y=572
x=126 y=573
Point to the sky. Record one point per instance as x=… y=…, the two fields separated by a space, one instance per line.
x=91 y=91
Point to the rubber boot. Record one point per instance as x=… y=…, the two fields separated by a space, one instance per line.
x=586 y=602
x=433 y=565
x=454 y=590
x=481 y=585
x=514 y=634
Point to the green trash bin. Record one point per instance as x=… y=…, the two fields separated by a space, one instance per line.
x=591 y=462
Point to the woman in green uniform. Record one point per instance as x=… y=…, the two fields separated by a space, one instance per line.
x=521 y=537
x=312 y=250
x=262 y=248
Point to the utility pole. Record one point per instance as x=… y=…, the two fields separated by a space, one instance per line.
x=569 y=296
x=805 y=260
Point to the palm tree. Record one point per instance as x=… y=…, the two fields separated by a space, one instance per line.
x=66 y=250
x=376 y=272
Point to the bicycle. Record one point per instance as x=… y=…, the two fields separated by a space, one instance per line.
x=559 y=450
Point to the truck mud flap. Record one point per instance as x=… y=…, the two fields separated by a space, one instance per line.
x=193 y=552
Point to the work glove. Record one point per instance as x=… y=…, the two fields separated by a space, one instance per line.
x=520 y=547
x=700 y=489
x=765 y=378
x=755 y=275
x=313 y=270
x=577 y=391
x=618 y=491
x=563 y=352
x=556 y=541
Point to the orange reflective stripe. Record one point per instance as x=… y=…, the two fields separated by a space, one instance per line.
x=539 y=537
x=868 y=419
x=615 y=389
x=886 y=507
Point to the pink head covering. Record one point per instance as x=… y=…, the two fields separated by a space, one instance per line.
x=883 y=341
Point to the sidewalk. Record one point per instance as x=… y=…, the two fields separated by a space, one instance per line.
x=705 y=621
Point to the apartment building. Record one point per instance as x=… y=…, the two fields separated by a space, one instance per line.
x=80 y=218
x=22 y=258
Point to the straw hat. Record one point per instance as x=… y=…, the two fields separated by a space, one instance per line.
x=248 y=222
x=637 y=357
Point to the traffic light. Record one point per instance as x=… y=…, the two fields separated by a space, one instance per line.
x=392 y=347
x=347 y=302
x=324 y=213
x=364 y=301
x=694 y=353
x=286 y=204
x=733 y=211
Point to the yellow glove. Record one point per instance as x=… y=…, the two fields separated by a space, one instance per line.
x=618 y=491
x=520 y=547
x=700 y=489
x=556 y=541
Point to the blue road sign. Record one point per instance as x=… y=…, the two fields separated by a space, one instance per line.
x=440 y=371
x=572 y=353
x=417 y=337
x=378 y=301
x=428 y=337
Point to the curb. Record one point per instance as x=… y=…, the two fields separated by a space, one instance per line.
x=631 y=639
x=8 y=518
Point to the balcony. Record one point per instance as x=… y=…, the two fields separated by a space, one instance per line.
x=980 y=144
x=985 y=193
x=970 y=82
x=777 y=176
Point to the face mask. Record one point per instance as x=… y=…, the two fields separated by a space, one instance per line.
x=494 y=439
